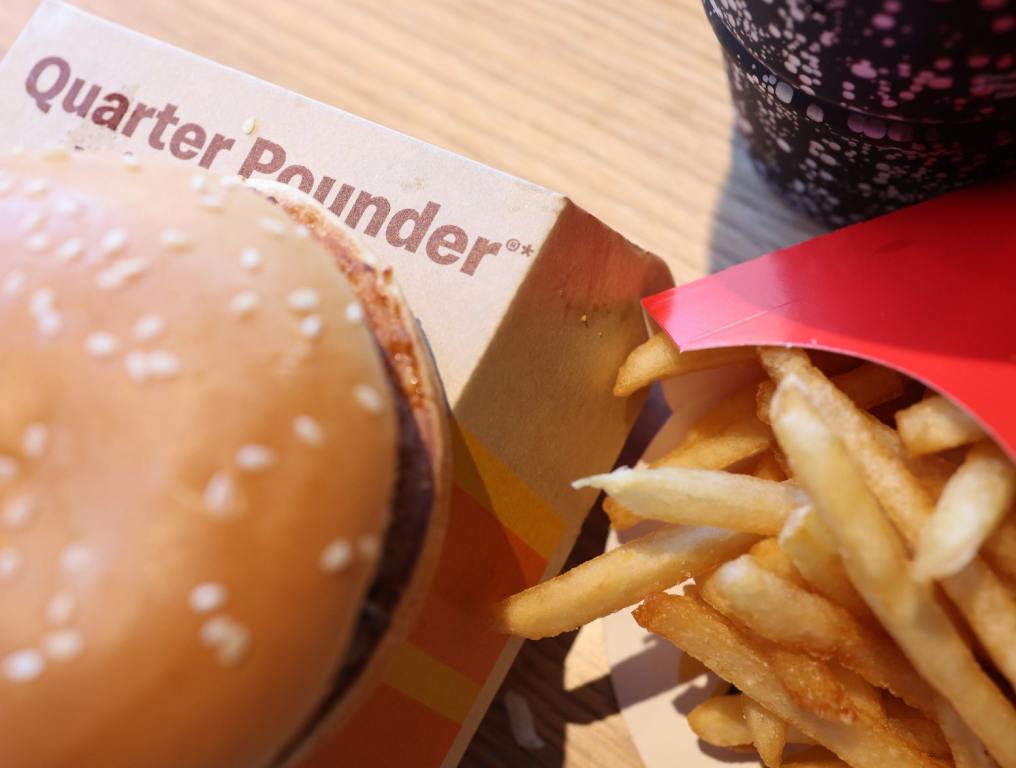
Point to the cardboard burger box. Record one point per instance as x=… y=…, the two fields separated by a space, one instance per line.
x=528 y=303
x=927 y=290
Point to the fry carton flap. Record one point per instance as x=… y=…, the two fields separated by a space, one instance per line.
x=927 y=290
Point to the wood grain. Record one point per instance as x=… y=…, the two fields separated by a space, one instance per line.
x=622 y=105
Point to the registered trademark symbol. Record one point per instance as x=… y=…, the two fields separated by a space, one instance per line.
x=513 y=245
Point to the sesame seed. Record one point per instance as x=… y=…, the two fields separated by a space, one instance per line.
x=173 y=240
x=23 y=666
x=336 y=556
x=41 y=301
x=211 y=202
x=63 y=645
x=255 y=458
x=163 y=365
x=66 y=206
x=32 y=220
x=70 y=250
x=233 y=648
x=272 y=226
x=8 y=468
x=35 y=440
x=114 y=241
x=49 y=323
x=10 y=563
x=244 y=303
x=19 y=512
x=120 y=272
x=199 y=183
x=368 y=398
x=229 y=638
x=354 y=312
x=149 y=327
x=14 y=282
x=219 y=496
x=37 y=187
x=77 y=559
x=303 y=300
x=369 y=546
x=311 y=326
x=249 y=125
x=38 y=242
x=101 y=345
x=56 y=153
x=60 y=608
x=136 y=365
x=250 y=259
x=214 y=630
x=308 y=430
x=302 y=232
x=207 y=597
x=131 y=162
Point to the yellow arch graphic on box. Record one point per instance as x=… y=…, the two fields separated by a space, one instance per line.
x=482 y=475
x=420 y=676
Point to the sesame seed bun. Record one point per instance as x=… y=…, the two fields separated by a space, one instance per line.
x=212 y=443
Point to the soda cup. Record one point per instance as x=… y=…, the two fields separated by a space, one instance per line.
x=853 y=108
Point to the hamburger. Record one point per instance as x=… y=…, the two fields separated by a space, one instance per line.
x=223 y=467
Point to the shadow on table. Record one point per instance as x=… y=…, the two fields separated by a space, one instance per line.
x=748 y=221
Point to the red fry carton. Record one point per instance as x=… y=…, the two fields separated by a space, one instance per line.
x=927 y=290
x=529 y=305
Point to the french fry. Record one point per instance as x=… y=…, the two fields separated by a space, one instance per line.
x=966 y=748
x=783 y=613
x=768 y=732
x=770 y=556
x=768 y=468
x=739 y=659
x=1000 y=548
x=720 y=721
x=973 y=503
x=617 y=579
x=659 y=358
x=876 y=562
x=867 y=385
x=621 y=518
x=812 y=548
x=701 y=497
x=936 y=424
x=811 y=684
x=981 y=597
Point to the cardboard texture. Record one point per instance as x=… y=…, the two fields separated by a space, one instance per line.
x=526 y=300
x=926 y=290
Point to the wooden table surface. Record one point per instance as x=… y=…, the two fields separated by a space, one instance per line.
x=622 y=105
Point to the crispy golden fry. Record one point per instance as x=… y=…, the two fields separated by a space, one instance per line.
x=811 y=684
x=659 y=358
x=935 y=425
x=768 y=732
x=831 y=762
x=768 y=468
x=783 y=613
x=770 y=556
x=1000 y=548
x=720 y=721
x=740 y=659
x=867 y=385
x=621 y=518
x=812 y=548
x=876 y=562
x=923 y=734
x=976 y=591
x=701 y=497
x=617 y=579
x=966 y=748
x=726 y=435
x=973 y=503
